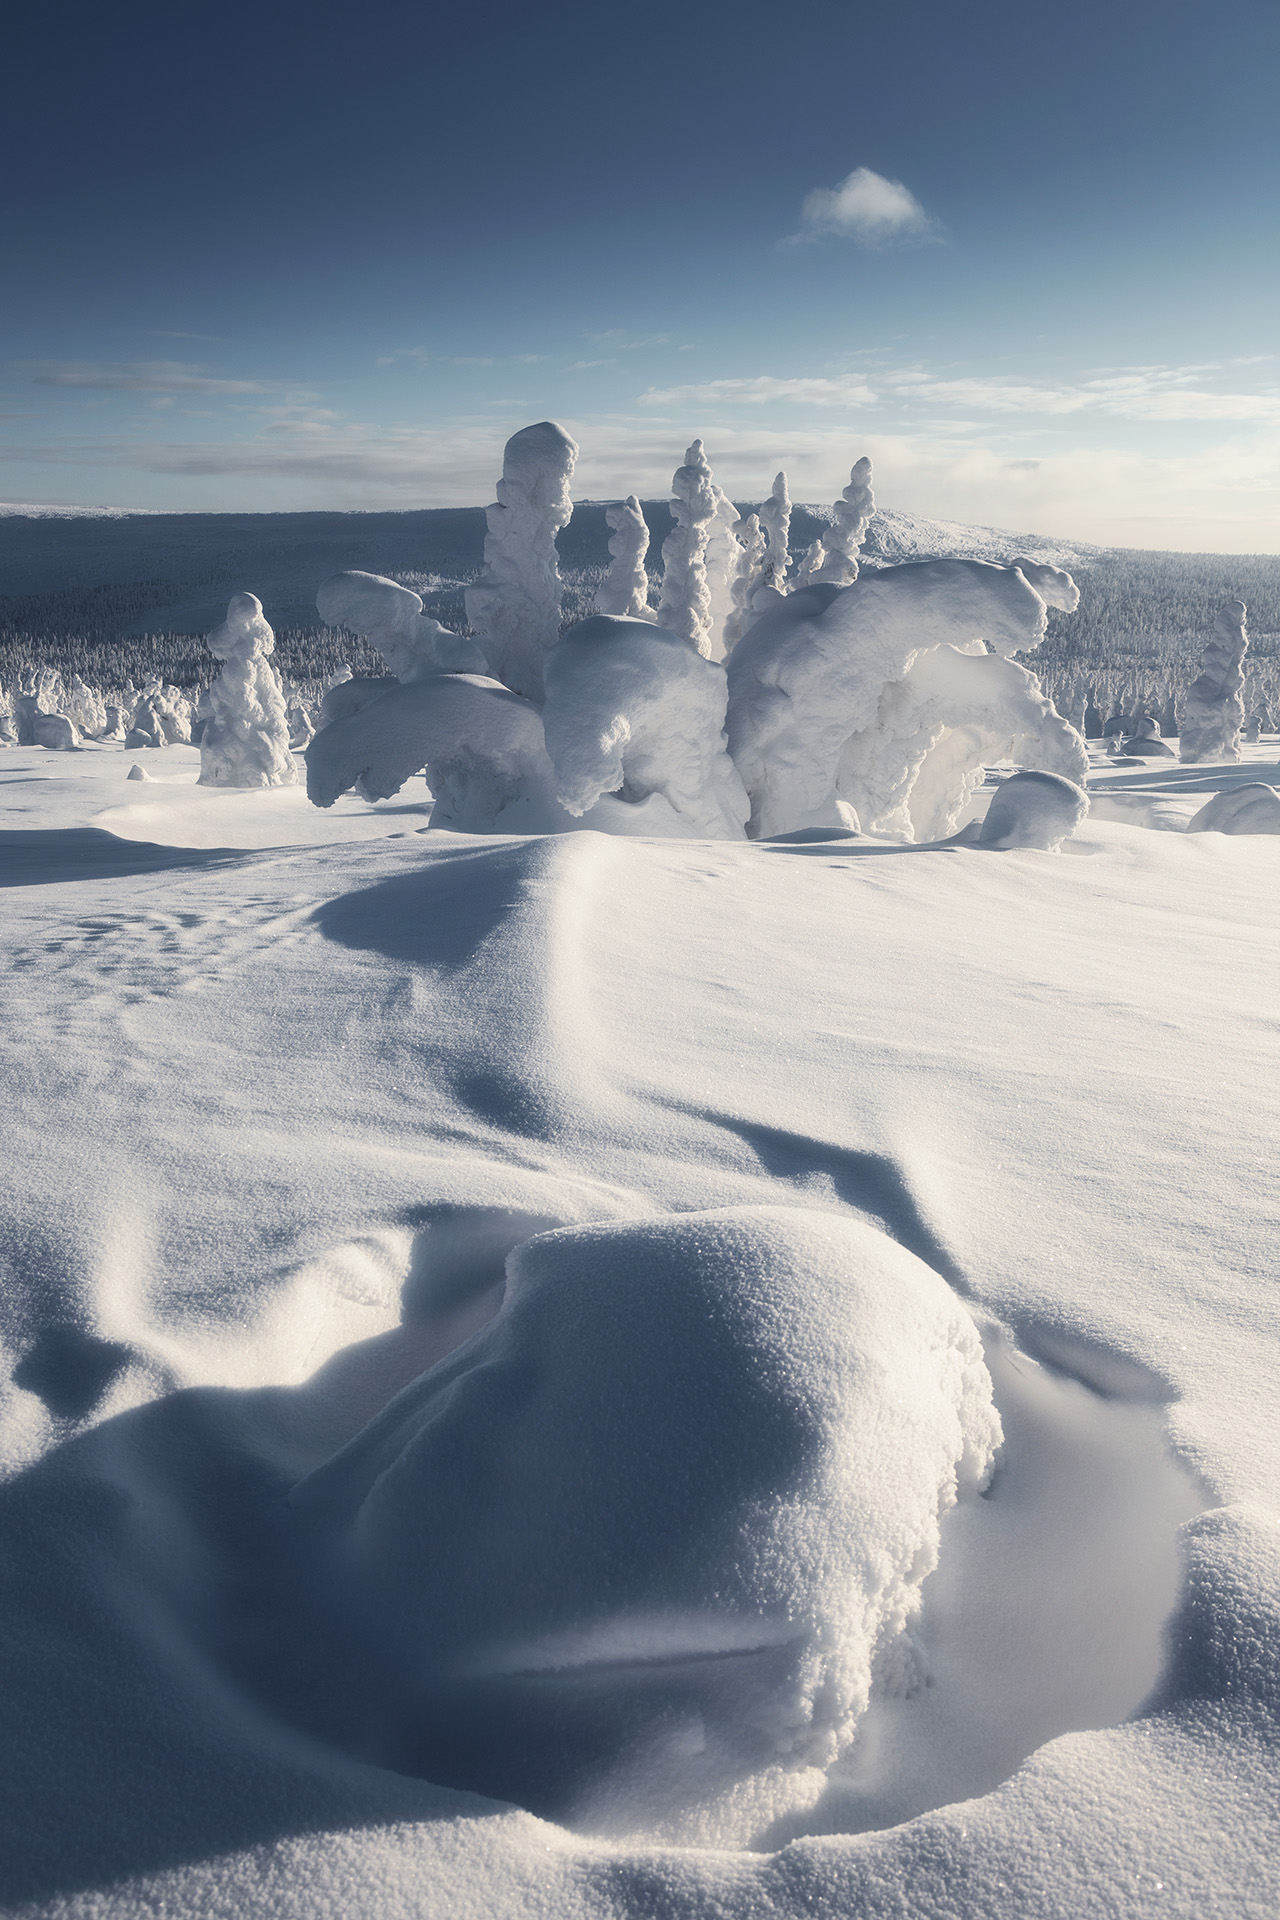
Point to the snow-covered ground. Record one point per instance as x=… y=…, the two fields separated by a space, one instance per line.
x=283 y=1090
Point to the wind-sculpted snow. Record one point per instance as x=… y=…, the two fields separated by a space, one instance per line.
x=245 y=742
x=514 y=607
x=632 y=709
x=642 y=1552
x=390 y=617
x=1214 y=715
x=480 y=745
x=1253 y=807
x=1038 y=810
x=809 y=678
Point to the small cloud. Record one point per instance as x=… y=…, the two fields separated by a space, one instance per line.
x=580 y=366
x=864 y=207
x=139 y=376
x=763 y=390
x=623 y=342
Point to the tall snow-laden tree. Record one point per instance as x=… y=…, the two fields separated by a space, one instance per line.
x=1214 y=712
x=833 y=559
x=685 y=605
x=514 y=607
x=751 y=549
x=624 y=591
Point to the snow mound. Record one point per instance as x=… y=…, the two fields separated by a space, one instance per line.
x=1038 y=810
x=640 y=1554
x=1251 y=808
x=390 y=617
x=633 y=709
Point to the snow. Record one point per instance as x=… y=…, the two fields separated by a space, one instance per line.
x=834 y=558
x=514 y=607
x=1033 y=809
x=632 y=708
x=280 y=1112
x=1214 y=707
x=245 y=742
x=1251 y=807
x=413 y=645
x=624 y=591
x=838 y=698
x=685 y=602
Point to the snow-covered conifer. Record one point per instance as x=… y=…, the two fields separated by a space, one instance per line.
x=245 y=742
x=685 y=604
x=834 y=557
x=624 y=591
x=724 y=566
x=514 y=607
x=775 y=518
x=1214 y=709
x=751 y=551
x=390 y=618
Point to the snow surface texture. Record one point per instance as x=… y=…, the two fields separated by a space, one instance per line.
x=413 y=645
x=632 y=709
x=281 y=1116
x=245 y=742
x=1038 y=810
x=624 y=591
x=514 y=607
x=827 y=726
x=1214 y=710
x=677 y=1633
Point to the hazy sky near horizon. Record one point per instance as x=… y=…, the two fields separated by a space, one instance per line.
x=282 y=258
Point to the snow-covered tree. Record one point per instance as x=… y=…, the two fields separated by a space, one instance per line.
x=514 y=607
x=624 y=591
x=633 y=709
x=724 y=567
x=834 y=557
x=751 y=552
x=245 y=742
x=1214 y=712
x=824 y=713
x=685 y=603
x=390 y=618
x=775 y=518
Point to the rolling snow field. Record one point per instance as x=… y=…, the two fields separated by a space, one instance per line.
x=889 y=1338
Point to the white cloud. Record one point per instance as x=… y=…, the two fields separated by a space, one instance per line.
x=864 y=207
x=762 y=390
x=140 y=376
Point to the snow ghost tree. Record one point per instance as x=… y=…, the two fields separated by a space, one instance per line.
x=775 y=518
x=1214 y=712
x=245 y=742
x=624 y=591
x=724 y=569
x=824 y=1402
x=480 y=745
x=514 y=607
x=685 y=603
x=633 y=710
x=834 y=558
x=751 y=549
x=823 y=705
x=390 y=617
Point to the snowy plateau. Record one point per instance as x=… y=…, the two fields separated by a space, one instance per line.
x=677 y=1320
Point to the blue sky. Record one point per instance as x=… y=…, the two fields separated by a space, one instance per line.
x=276 y=257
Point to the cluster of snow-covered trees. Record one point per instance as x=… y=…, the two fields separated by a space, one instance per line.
x=752 y=700
x=739 y=693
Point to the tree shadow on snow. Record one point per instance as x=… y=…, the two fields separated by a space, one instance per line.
x=46 y=856
x=437 y=914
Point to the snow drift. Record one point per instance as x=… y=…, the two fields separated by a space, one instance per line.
x=642 y=1551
